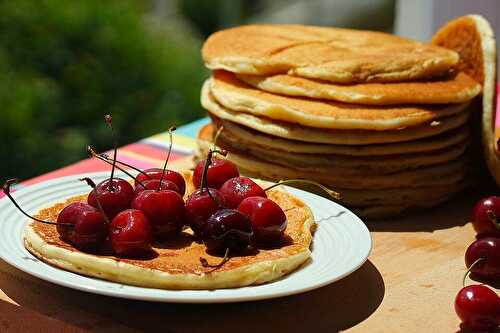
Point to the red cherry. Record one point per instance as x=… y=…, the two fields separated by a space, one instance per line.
x=200 y=206
x=155 y=173
x=113 y=199
x=152 y=184
x=130 y=234
x=478 y=307
x=238 y=188
x=79 y=224
x=164 y=209
x=218 y=172
x=88 y=228
x=484 y=217
x=227 y=229
x=489 y=250
x=268 y=219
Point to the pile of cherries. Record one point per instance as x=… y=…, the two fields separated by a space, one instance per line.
x=227 y=212
x=477 y=305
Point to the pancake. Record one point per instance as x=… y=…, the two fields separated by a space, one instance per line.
x=249 y=137
x=332 y=54
x=336 y=164
x=455 y=88
x=436 y=175
x=177 y=265
x=472 y=37
x=235 y=95
x=329 y=136
x=374 y=203
x=379 y=212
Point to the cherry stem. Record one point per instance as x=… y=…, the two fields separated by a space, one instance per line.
x=91 y=183
x=106 y=157
x=216 y=136
x=109 y=121
x=204 y=182
x=170 y=130
x=221 y=152
x=91 y=151
x=493 y=218
x=208 y=161
x=205 y=263
x=333 y=194
x=6 y=190
x=470 y=269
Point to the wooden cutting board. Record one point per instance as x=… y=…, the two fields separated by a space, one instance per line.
x=408 y=285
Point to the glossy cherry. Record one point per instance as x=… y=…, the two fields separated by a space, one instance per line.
x=156 y=173
x=484 y=217
x=165 y=211
x=238 y=188
x=78 y=224
x=131 y=234
x=479 y=308
x=153 y=184
x=88 y=227
x=219 y=171
x=114 y=195
x=486 y=251
x=227 y=229
x=268 y=219
x=201 y=205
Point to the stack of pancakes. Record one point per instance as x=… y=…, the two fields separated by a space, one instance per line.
x=379 y=118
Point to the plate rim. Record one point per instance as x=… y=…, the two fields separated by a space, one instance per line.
x=43 y=275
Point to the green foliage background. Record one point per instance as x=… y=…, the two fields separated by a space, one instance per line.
x=64 y=64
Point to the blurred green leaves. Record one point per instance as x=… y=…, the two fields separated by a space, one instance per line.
x=64 y=64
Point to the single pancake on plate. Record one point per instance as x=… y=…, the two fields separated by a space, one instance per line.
x=175 y=264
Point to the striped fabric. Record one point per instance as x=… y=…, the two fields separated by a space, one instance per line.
x=147 y=153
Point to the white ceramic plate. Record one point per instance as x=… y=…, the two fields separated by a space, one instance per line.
x=341 y=244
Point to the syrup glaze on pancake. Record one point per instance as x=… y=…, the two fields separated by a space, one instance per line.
x=333 y=54
x=238 y=96
x=179 y=258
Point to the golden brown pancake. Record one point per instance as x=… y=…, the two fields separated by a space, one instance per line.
x=297 y=132
x=333 y=163
x=472 y=37
x=332 y=54
x=434 y=175
x=235 y=95
x=176 y=263
x=247 y=136
x=368 y=203
x=455 y=88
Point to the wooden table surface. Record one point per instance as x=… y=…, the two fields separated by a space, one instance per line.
x=407 y=285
